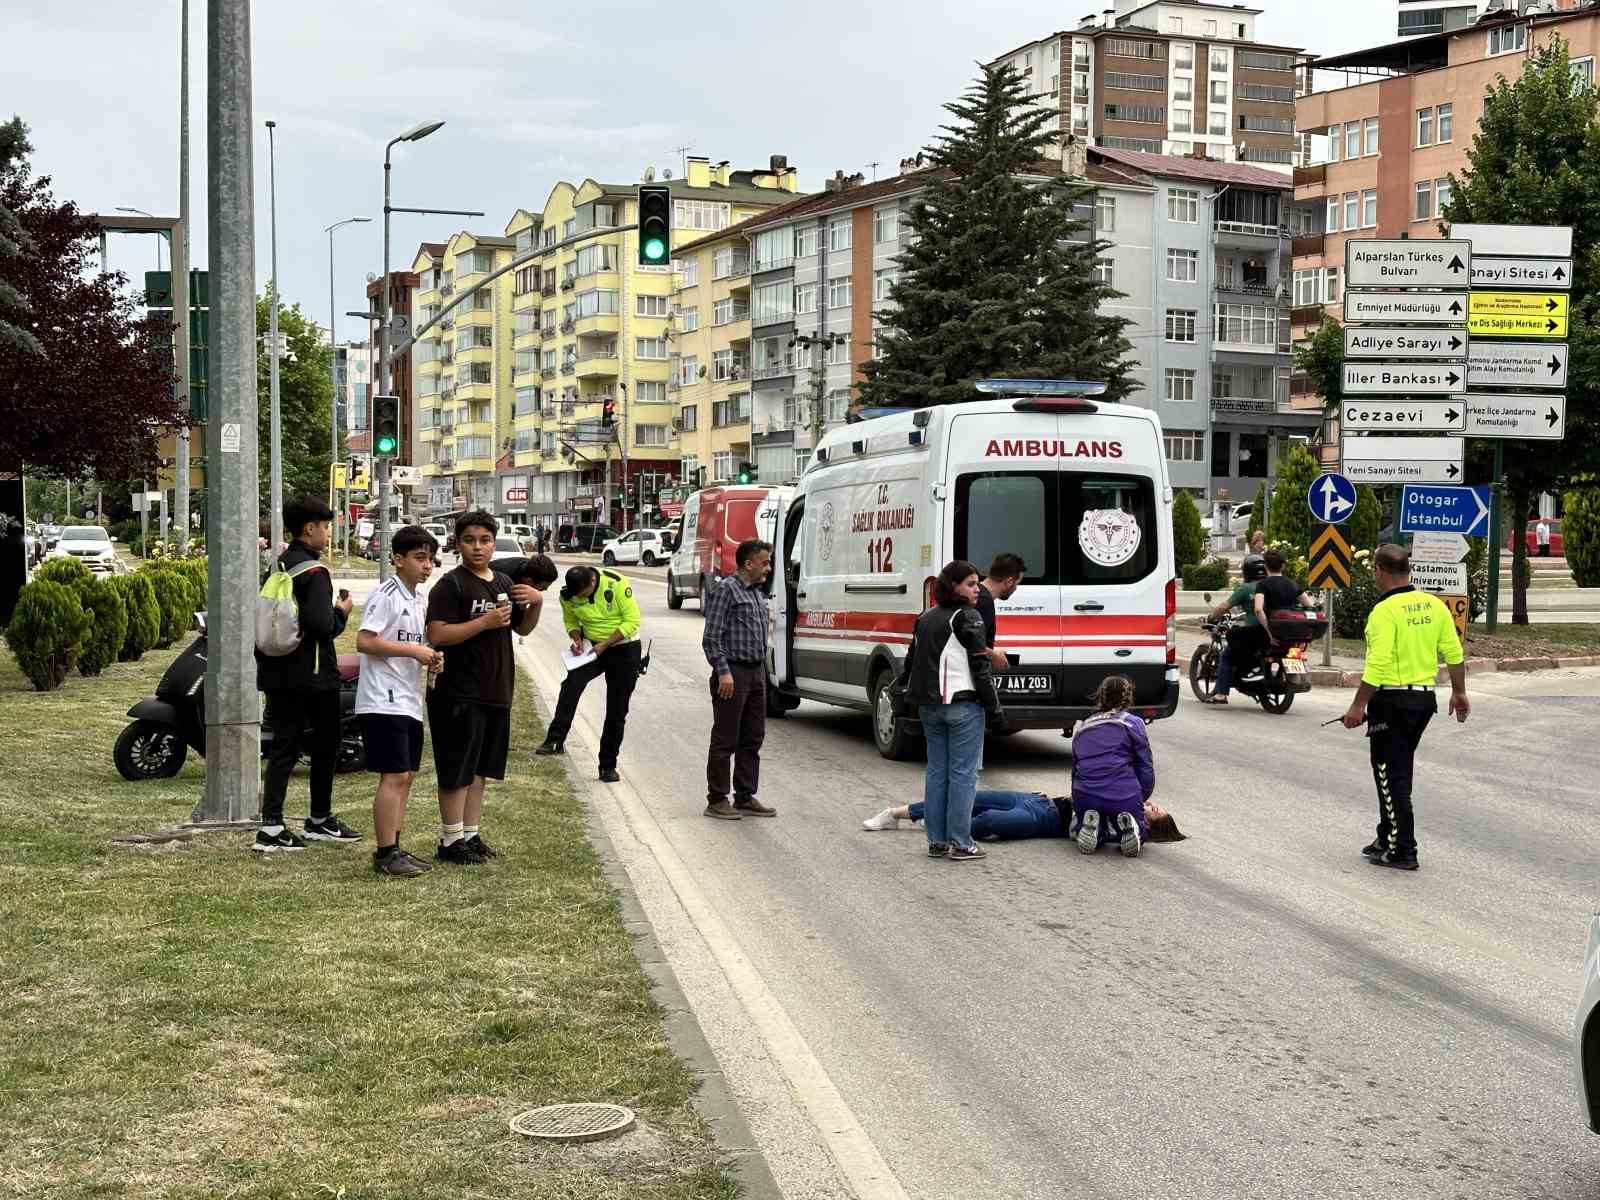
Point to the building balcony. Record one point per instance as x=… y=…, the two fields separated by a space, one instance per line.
x=1307 y=244
x=475 y=354
x=477 y=389
x=599 y=323
x=479 y=427
x=526 y=420
x=739 y=267
x=527 y=340
x=599 y=366
x=761 y=265
x=569 y=368
x=781 y=371
x=475 y=316
x=1312 y=176
x=1252 y=291
x=777 y=433
x=785 y=318
x=527 y=458
x=527 y=301
x=1250 y=236
x=547 y=373
x=430 y=434
x=1307 y=314
x=483 y=462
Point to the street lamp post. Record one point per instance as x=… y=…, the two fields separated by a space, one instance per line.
x=275 y=489
x=333 y=375
x=415 y=134
x=826 y=341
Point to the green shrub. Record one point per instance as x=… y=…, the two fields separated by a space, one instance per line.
x=172 y=600
x=1295 y=564
x=1290 y=520
x=144 y=615
x=1188 y=537
x=68 y=572
x=1580 y=529
x=108 y=629
x=1353 y=605
x=47 y=632
x=1209 y=576
x=1362 y=528
x=1477 y=577
x=1256 y=506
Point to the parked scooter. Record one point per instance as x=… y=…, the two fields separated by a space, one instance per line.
x=169 y=724
x=1280 y=672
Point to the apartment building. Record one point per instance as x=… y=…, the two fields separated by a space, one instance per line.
x=1201 y=252
x=464 y=392
x=352 y=370
x=594 y=336
x=402 y=299
x=1175 y=77
x=1388 y=143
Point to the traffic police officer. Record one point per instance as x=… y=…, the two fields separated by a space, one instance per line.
x=1407 y=633
x=597 y=605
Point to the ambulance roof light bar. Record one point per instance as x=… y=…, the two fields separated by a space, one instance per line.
x=1041 y=387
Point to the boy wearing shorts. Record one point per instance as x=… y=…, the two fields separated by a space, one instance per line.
x=394 y=655
x=471 y=613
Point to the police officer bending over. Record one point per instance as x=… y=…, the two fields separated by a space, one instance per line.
x=597 y=605
x=1407 y=633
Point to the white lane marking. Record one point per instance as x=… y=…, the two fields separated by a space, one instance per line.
x=853 y=1151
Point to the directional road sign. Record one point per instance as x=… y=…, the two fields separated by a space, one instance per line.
x=1517 y=241
x=1375 y=459
x=1416 y=308
x=1518 y=314
x=1405 y=379
x=1400 y=416
x=1531 y=416
x=1332 y=498
x=1516 y=364
x=1439 y=577
x=1460 y=606
x=1429 y=263
x=1552 y=273
x=1438 y=547
x=1444 y=510
x=1329 y=559
x=1393 y=341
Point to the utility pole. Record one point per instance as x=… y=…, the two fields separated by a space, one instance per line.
x=275 y=497
x=622 y=441
x=233 y=718
x=810 y=343
x=180 y=282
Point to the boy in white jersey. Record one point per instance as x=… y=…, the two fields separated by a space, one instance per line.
x=394 y=654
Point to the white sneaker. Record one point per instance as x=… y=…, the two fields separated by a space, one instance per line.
x=1089 y=832
x=884 y=820
x=1128 y=831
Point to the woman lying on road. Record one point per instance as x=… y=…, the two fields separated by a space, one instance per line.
x=1013 y=816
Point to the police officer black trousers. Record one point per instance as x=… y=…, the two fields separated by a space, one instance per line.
x=620 y=666
x=1396 y=719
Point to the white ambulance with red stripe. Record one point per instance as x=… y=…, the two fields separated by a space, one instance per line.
x=1079 y=488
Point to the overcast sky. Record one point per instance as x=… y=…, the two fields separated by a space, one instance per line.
x=531 y=95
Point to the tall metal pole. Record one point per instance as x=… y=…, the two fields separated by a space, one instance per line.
x=1496 y=510
x=233 y=729
x=381 y=465
x=275 y=498
x=180 y=282
x=622 y=440
x=333 y=403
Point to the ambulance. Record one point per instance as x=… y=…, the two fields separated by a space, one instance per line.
x=1079 y=488
x=715 y=520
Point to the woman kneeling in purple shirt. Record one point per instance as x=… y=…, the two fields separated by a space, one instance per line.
x=1112 y=772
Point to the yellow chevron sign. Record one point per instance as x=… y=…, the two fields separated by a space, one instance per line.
x=1330 y=559
x=1522 y=314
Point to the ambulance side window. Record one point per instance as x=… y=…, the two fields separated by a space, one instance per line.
x=1010 y=511
x=1110 y=533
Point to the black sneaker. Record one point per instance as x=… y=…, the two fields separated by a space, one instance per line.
x=273 y=843
x=396 y=861
x=1395 y=861
x=721 y=810
x=458 y=854
x=939 y=850
x=330 y=829
x=481 y=848
x=1373 y=850
x=551 y=748
x=609 y=775
x=966 y=853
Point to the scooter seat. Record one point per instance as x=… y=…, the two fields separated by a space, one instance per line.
x=349 y=668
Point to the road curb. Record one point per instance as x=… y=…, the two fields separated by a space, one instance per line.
x=1334 y=677
x=713 y=1099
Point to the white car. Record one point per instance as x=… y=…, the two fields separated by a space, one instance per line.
x=505 y=544
x=645 y=546
x=90 y=545
x=1586 y=1031
x=523 y=534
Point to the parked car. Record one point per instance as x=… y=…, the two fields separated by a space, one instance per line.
x=645 y=546
x=715 y=520
x=1557 y=545
x=440 y=531
x=90 y=545
x=505 y=544
x=1586 y=1031
x=523 y=534
x=584 y=539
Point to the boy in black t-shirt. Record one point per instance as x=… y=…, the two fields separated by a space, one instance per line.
x=471 y=613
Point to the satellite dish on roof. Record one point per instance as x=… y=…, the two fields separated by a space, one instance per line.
x=667 y=174
x=372 y=277
x=649 y=174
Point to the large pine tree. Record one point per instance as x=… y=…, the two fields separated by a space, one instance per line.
x=998 y=281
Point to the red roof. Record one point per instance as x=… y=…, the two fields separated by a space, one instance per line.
x=1174 y=167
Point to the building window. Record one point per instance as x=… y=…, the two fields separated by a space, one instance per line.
x=1219 y=91
x=726 y=365
x=722 y=466
x=1264 y=91
x=1105 y=214
x=1180 y=324
x=735 y=410
x=1226 y=273
x=689 y=273
x=886 y=224
x=1185 y=445
x=1180 y=385
x=1256 y=61
x=839 y=293
x=1182 y=118
x=1332 y=291
x=1424 y=126
x=689 y=418
x=654 y=349
x=1142 y=114
x=774 y=248
x=1442 y=192
x=689 y=469
x=1254 y=325
x=1508 y=38
x=727 y=262
x=1183 y=266
x=1424 y=208
x=1183 y=56
x=728 y=310
x=1219 y=122
x=1352 y=140
x=1183 y=204
x=651 y=306
x=1219 y=60
x=802 y=460
x=1352 y=211
x=649 y=391
x=700 y=214
x=839 y=351
x=687 y=319
x=1211 y=28
x=1369 y=135
x=805 y=241
x=839 y=234
x=772 y=302
x=1124 y=82
x=1122 y=48
x=650 y=436
x=592 y=259
x=1105 y=272
x=1182 y=88
x=1447 y=116
x=1174 y=24
x=1369 y=208
x=686 y=370
x=1257 y=124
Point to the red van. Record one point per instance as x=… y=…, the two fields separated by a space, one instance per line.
x=715 y=520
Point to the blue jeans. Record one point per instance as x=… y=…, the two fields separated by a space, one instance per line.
x=1008 y=816
x=954 y=733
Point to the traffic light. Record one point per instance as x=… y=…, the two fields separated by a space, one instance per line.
x=655 y=225
x=385 y=426
x=747 y=472
x=608 y=413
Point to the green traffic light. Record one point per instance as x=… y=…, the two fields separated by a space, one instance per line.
x=387 y=445
x=655 y=250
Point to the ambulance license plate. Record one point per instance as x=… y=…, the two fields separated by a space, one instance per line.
x=1295 y=666
x=1029 y=686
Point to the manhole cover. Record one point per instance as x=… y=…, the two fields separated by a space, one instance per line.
x=573 y=1122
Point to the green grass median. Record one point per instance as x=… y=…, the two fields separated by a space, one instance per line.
x=189 y=1020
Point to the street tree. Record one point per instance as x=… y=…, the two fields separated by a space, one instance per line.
x=1290 y=520
x=1535 y=160
x=1321 y=358
x=305 y=394
x=87 y=387
x=998 y=280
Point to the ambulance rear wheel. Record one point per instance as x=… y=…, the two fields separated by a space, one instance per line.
x=674 y=600
x=889 y=732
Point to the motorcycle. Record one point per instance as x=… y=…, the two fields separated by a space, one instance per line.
x=169 y=724
x=1280 y=672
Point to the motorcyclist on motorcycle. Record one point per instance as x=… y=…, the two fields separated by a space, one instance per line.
x=1245 y=638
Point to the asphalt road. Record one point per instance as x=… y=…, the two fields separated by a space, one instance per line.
x=1255 y=1012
